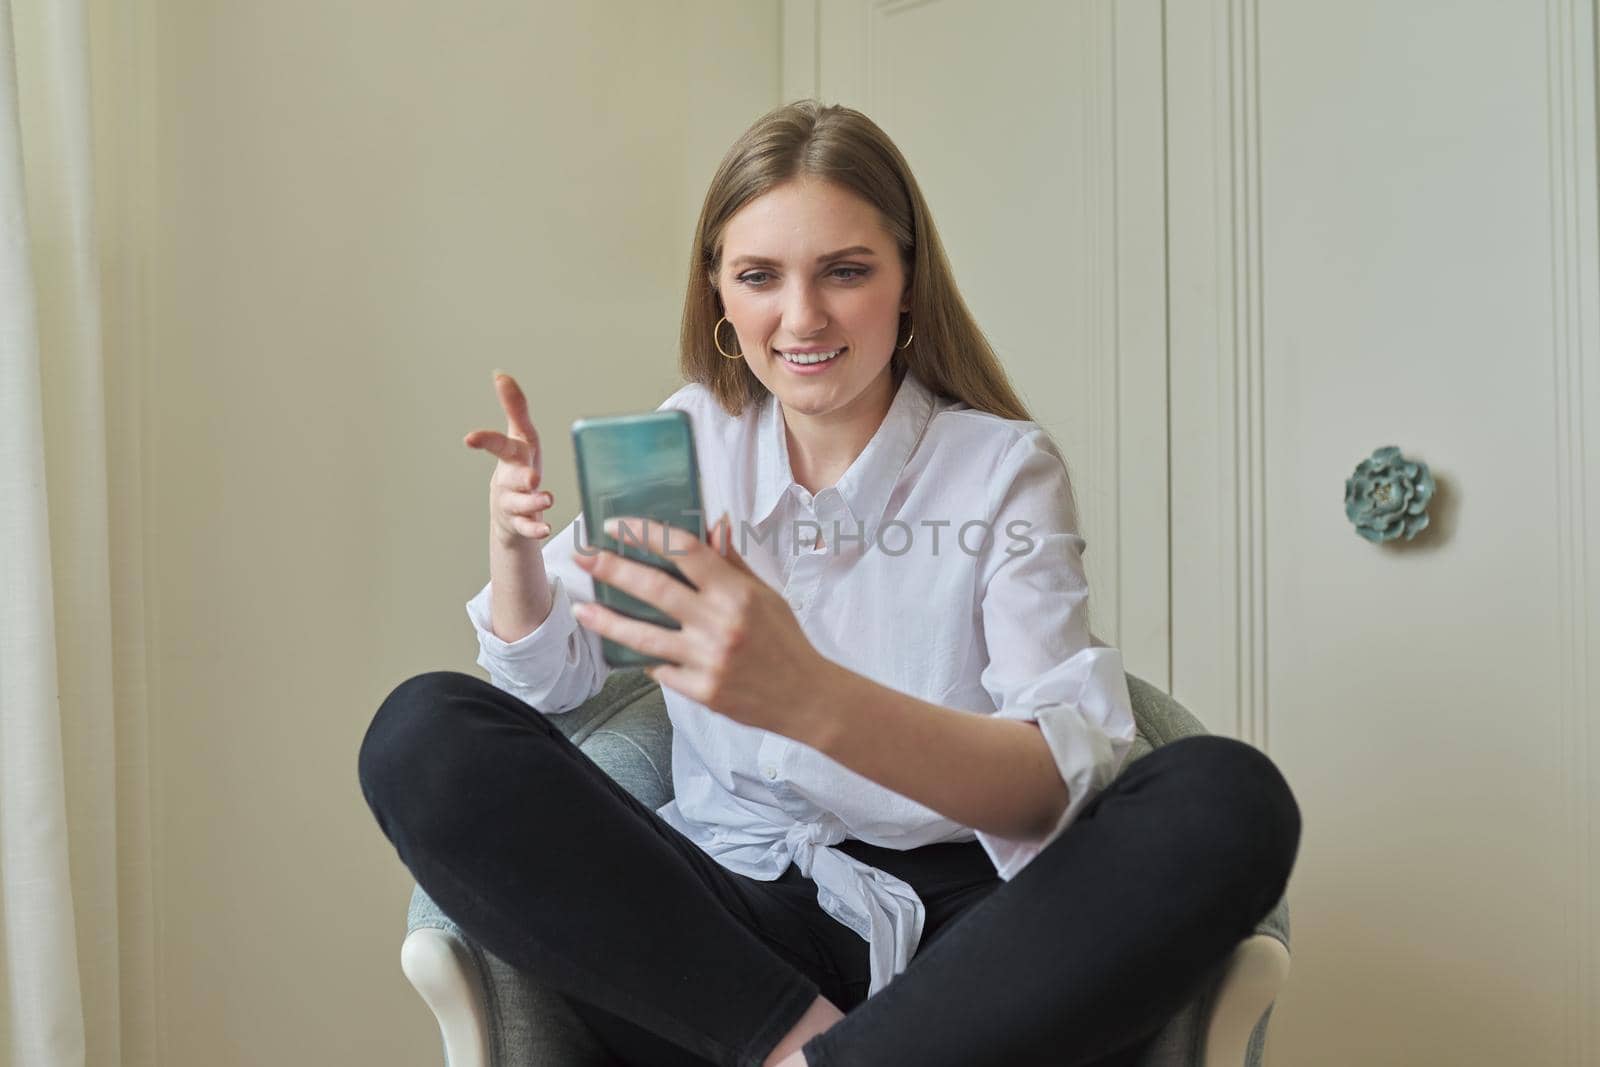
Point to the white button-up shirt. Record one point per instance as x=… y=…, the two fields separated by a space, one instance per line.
x=950 y=569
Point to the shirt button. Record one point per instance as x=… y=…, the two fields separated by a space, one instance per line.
x=771 y=772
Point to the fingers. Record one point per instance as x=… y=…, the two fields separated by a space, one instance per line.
x=688 y=553
x=722 y=543
x=649 y=584
x=524 y=512
x=511 y=452
x=500 y=446
x=534 y=528
x=518 y=422
x=674 y=677
x=637 y=634
x=530 y=504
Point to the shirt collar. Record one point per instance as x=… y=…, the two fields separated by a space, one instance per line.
x=866 y=486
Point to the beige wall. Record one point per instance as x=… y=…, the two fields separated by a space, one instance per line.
x=362 y=209
x=1381 y=231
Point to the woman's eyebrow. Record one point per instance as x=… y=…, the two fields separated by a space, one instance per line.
x=762 y=261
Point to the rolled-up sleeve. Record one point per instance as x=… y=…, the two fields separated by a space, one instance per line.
x=1044 y=664
x=559 y=664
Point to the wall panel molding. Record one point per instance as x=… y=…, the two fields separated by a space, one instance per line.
x=1248 y=414
x=1214 y=218
x=1139 y=339
x=1570 y=26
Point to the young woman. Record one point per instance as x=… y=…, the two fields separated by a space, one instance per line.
x=899 y=834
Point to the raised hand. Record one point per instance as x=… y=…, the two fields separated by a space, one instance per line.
x=516 y=503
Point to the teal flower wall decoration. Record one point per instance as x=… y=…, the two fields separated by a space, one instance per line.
x=1388 y=496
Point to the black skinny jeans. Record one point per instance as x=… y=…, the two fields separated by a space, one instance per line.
x=670 y=958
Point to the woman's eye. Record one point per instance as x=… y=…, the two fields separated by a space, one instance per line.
x=849 y=274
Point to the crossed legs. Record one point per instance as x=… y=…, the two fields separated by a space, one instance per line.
x=548 y=863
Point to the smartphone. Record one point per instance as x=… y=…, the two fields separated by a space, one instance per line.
x=643 y=466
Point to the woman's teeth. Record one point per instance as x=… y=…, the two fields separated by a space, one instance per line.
x=814 y=357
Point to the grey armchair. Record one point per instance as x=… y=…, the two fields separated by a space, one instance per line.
x=490 y=1015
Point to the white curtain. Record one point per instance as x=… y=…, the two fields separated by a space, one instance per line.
x=75 y=927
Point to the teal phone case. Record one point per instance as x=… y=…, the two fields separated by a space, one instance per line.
x=644 y=466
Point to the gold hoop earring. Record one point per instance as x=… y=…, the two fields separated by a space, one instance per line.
x=909 y=336
x=716 y=339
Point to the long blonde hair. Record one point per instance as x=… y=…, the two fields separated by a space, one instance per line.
x=805 y=139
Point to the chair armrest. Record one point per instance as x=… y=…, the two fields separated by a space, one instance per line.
x=1254 y=976
x=435 y=962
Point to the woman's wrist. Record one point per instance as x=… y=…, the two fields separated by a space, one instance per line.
x=820 y=715
x=519 y=598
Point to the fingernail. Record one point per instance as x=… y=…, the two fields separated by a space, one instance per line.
x=498 y=372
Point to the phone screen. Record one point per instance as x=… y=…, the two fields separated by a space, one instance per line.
x=642 y=466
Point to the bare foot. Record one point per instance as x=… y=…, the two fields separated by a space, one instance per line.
x=822 y=1014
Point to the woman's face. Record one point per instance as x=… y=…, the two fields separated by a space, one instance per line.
x=808 y=267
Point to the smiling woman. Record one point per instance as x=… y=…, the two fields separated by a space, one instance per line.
x=818 y=331
x=874 y=728
x=815 y=238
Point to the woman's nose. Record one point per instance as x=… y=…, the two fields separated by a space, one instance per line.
x=804 y=315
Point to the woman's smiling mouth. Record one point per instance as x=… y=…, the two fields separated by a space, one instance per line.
x=809 y=362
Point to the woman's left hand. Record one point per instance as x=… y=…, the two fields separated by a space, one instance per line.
x=740 y=650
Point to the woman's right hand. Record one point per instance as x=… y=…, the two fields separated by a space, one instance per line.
x=516 y=503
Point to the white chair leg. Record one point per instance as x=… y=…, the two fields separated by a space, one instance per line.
x=436 y=965
x=1256 y=973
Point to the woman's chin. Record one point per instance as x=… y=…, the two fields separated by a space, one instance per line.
x=808 y=406
x=786 y=383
